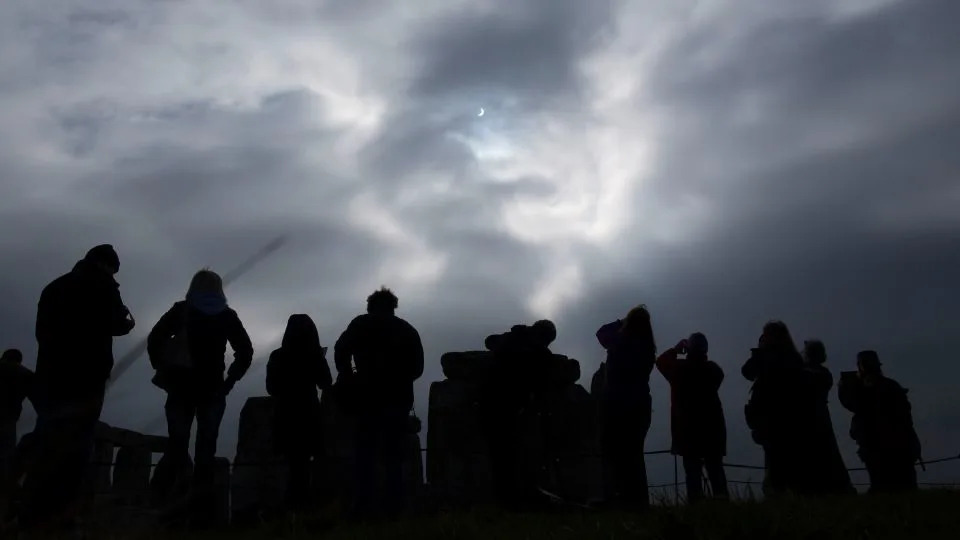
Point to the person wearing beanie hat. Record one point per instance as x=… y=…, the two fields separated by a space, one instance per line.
x=882 y=425
x=78 y=316
x=697 y=424
x=105 y=257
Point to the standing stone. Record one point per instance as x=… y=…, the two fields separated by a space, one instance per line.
x=558 y=443
x=259 y=473
x=131 y=475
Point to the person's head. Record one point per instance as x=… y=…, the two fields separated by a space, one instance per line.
x=637 y=323
x=104 y=257
x=301 y=333
x=382 y=302
x=545 y=332
x=776 y=335
x=814 y=352
x=697 y=345
x=13 y=356
x=868 y=364
x=205 y=281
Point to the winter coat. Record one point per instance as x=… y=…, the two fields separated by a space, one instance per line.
x=210 y=325
x=778 y=412
x=78 y=315
x=388 y=355
x=882 y=422
x=696 y=413
x=293 y=378
x=629 y=363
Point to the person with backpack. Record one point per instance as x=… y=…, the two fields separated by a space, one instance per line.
x=882 y=425
x=521 y=358
x=186 y=348
x=295 y=372
x=697 y=424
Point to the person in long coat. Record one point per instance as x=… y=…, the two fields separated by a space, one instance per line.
x=295 y=372
x=697 y=424
x=827 y=474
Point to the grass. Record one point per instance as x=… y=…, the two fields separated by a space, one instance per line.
x=927 y=515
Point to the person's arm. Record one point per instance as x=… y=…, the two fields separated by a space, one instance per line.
x=667 y=363
x=273 y=376
x=160 y=334
x=607 y=333
x=751 y=369
x=323 y=378
x=416 y=354
x=121 y=321
x=44 y=330
x=716 y=375
x=242 y=351
x=343 y=350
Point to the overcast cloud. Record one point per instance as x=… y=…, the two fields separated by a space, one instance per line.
x=723 y=161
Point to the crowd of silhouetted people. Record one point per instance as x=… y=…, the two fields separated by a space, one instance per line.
x=377 y=359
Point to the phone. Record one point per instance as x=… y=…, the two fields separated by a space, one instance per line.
x=849 y=376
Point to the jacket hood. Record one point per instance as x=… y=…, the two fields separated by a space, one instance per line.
x=87 y=268
x=207 y=303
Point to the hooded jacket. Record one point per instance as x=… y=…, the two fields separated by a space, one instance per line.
x=210 y=325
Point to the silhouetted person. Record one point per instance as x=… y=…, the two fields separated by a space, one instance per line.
x=16 y=384
x=295 y=372
x=882 y=425
x=78 y=316
x=186 y=347
x=826 y=471
x=626 y=406
x=780 y=410
x=520 y=358
x=696 y=414
x=381 y=354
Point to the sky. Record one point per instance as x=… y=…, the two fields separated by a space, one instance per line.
x=725 y=162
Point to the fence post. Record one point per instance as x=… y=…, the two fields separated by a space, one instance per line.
x=676 y=482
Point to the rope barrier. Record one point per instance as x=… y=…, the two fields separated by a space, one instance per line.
x=566 y=456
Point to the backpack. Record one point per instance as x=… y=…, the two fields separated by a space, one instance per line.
x=176 y=362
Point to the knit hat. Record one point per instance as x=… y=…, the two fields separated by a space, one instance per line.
x=106 y=255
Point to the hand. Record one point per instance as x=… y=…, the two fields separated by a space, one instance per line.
x=227 y=387
x=682 y=345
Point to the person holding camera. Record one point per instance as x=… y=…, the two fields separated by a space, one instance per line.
x=779 y=412
x=626 y=407
x=696 y=414
x=882 y=425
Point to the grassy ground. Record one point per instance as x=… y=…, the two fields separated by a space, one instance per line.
x=924 y=516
